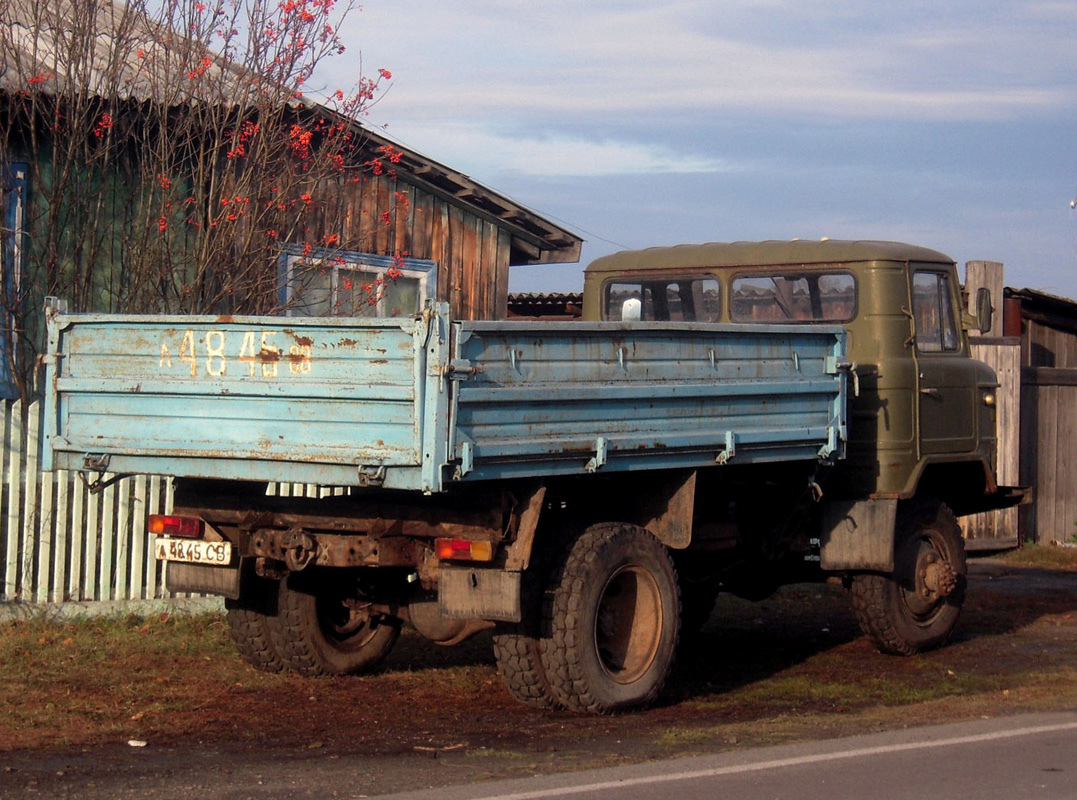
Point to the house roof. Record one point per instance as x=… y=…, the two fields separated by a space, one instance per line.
x=1050 y=309
x=139 y=59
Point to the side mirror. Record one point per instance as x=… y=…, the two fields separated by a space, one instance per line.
x=631 y=310
x=984 y=310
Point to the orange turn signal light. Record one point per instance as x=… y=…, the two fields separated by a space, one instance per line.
x=463 y=550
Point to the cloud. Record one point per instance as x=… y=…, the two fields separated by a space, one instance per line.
x=472 y=148
x=973 y=61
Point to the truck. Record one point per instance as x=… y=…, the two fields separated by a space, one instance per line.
x=725 y=417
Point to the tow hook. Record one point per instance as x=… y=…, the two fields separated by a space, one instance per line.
x=299 y=550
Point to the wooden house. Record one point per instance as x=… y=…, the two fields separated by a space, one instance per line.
x=437 y=233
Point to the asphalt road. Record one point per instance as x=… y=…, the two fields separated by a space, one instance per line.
x=1029 y=756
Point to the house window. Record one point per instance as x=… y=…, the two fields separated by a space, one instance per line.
x=321 y=283
x=15 y=178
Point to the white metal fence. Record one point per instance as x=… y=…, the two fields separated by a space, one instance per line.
x=61 y=543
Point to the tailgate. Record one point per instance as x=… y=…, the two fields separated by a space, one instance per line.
x=331 y=401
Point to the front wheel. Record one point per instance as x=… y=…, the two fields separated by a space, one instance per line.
x=915 y=608
x=613 y=618
x=322 y=631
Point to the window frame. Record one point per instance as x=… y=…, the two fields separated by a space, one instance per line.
x=646 y=281
x=945 y=290
x=776 y=272
x=293 y=256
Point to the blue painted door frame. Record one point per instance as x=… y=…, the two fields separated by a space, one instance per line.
x=15 y=182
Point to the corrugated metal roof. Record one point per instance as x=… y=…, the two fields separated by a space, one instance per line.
x=108 y=49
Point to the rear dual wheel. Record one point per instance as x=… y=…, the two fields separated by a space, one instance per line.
x=323 y=631
x=285 y=624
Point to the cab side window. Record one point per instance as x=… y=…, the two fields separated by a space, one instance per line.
x=793 y=297
x=933 y=312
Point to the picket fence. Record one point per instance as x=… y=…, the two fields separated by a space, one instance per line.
x=59 y=542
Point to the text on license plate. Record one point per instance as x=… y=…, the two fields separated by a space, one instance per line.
x=193 y=551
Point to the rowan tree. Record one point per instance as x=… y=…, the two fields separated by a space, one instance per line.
x=171 y=149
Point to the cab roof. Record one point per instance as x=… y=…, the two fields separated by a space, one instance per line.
x=768 y=253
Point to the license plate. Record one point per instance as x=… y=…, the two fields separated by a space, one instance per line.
x=193 y=551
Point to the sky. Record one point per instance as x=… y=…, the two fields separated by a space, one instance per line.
x=951 y=125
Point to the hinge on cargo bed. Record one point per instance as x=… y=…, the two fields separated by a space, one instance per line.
x=828 y=449
x=467 y=460
x=371 y=476
x=97 y=463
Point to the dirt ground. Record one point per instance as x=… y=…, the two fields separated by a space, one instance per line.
x=185 y=717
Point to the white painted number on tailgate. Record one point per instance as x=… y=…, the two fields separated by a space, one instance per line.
x=210 y=354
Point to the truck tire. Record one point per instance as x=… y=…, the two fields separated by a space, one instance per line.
x=250 y=632
x=916 y=607
x=249 y=619
x=518 y=649
x=613 y=614
x=317 y=634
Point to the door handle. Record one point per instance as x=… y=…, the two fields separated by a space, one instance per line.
x=931 y=393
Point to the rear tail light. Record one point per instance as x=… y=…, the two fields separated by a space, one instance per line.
x=463 y=550
x=171 y=525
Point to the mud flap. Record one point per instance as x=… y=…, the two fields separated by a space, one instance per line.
x=202 y=579
x=858 y=534
x=471 y=593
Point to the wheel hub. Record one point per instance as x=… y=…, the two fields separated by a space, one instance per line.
x=628 y=624
x=939 y=579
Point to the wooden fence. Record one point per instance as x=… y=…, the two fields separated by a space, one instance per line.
x=999 y=529
x=61 y=543
x=1049 y=461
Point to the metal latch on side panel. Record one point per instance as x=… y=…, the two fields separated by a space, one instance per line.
x=599 y=458
x=835 y=365
x=467 y=460
x=461 y=369
x=726 y=455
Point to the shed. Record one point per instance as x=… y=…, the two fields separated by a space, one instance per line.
x=1047 y=327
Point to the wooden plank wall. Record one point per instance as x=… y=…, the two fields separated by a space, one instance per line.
x=1046 y=346
x=472 y=252
x=1049 y=459
x=997 y=529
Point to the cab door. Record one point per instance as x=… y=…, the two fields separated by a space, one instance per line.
x=945 y=375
